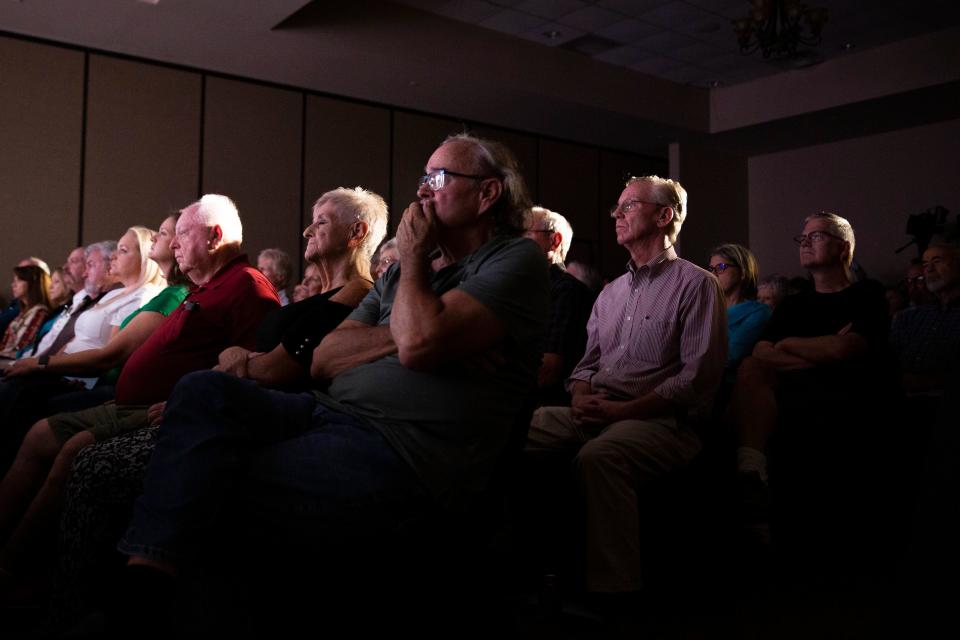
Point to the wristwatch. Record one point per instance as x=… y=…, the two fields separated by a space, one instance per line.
x=44 y=360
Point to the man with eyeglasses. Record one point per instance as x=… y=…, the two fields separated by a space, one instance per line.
x=817 y=359
x=570 y=304
x=408 y=422
x=656 y=349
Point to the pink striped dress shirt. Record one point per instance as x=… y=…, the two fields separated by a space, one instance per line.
x=660 y=327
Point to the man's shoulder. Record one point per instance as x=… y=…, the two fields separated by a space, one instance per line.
x=563 y=282
x=506 y=252
x=246 y=278
x=690 y=271
x=912 y=315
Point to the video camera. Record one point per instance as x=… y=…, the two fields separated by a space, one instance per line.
x=924 y=225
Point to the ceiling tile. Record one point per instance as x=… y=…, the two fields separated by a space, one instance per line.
x=727 y=8
x=631 y=7
x=542 y=34
x=591 y=18
x=513 y=22
x=675 y=15
x=471 y=11
x=551 y=9
x=665 y=41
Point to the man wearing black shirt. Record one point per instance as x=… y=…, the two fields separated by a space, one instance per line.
x=570 y=305
x=818 y=354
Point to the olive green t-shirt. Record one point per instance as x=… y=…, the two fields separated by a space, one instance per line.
x=450 y=424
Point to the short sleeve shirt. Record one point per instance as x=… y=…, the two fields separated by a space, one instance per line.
x=225 y=311
x=450 y=423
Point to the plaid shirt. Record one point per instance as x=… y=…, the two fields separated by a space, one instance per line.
x=926 y=338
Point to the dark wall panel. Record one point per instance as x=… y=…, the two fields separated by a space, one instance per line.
x=142 y=150
x=251 y=152
x=718 y=201
x=347 y=145
x=568 y=184
x=41 y=111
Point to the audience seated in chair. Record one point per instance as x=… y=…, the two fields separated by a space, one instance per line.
x=347 y=225
x=814 y=380
x=656 y=349
x=225 y=309
x=409 y=422
x=570 y=304
x=275 y=264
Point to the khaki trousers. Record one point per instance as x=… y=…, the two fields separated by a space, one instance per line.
x=613 y=463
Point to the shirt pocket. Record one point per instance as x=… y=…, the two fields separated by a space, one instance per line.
x=657 y=342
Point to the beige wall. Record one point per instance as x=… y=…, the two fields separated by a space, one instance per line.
x=251 y=152
x=138 y=139
x=142 y=145
x=41 y=112
x=875 y=182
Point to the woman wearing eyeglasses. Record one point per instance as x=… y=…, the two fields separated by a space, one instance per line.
x=736 y=268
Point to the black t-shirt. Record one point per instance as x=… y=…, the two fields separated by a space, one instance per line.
x=808 y=315
x=302 y=325
x=570 y=305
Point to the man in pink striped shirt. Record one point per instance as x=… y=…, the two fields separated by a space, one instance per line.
x=656 y=348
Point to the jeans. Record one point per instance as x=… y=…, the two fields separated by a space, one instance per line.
x=287 y=461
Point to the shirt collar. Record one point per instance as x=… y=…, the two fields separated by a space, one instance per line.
x=656 y=264
x=221 y=275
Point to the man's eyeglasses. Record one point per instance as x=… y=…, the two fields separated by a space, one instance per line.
x=630 y=205
x=539 y=230
x=439 y=178
x=815 y=237
x=720 y=267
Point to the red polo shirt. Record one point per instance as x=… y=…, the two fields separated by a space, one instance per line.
x=224 y=312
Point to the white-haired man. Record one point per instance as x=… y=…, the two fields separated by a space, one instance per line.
x=570 y=304
x=225 y=308
x=656 y=348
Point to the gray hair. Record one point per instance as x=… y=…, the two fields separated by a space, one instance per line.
x=216 y=210
x=493 y=159
x=669 y=193
x=779 y=284
x=105 y=247
x=553 y=222
x=281 y=263
x=841 y=228
x=359 y=204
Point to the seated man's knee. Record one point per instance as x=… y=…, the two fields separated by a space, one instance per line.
x=74 y=446
x=599 y=453
x=40 y=443
x=754 y=372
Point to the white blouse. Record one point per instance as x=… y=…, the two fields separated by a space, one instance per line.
x=94 y=326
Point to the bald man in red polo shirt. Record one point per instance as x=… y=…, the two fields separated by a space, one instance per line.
x=225 y=307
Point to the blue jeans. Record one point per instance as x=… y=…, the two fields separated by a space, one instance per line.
x=291 y=462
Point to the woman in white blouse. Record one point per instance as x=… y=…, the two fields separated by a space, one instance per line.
x=141 y=278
